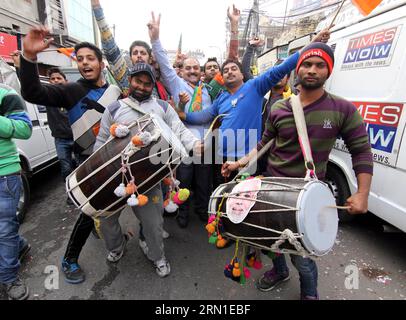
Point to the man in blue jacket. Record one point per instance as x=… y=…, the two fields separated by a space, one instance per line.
x=241 y=107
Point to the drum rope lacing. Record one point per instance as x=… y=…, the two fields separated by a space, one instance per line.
x=275 y=247
x=125 y=167
x=286 y=235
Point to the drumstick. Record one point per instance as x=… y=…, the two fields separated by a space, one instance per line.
x=210 y=130
x=258 y=156
x=339 y=207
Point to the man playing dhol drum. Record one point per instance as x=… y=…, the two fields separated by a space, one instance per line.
x=142 y=81
x=327 y=117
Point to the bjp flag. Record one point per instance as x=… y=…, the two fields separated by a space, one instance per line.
x=366 y=6
x=69 y=52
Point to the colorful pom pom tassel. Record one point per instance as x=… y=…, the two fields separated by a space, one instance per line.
x=143 y=200
x=120 y=191
x=119 y=130
x=136 y=141
x=133 y=201
x=171 y=207
x=131 y=188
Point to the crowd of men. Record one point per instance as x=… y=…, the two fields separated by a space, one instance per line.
x=188 y=98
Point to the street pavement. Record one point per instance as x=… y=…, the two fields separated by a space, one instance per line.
x=197 y=267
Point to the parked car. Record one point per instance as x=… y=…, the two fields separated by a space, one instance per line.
x=36 y=153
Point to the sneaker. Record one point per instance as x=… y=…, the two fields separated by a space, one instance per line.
x=23 y=252
x=72 y=271
x=162 y=267
x=271 y=279
x=165 y=234
x=114 y=256
x=17 y=290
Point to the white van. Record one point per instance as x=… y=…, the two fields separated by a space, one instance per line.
x=36 y=153
x=370 y=71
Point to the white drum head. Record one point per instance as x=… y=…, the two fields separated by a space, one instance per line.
x=170 y=136
x=316 y=220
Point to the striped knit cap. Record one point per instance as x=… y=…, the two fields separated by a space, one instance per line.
x=317 y=49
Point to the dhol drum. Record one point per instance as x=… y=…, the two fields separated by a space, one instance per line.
x=285 y=215
x=91 y=186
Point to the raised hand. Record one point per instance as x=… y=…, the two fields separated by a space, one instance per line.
x=256 y=42
x=95 y=3
x=234 y=14
x=322 y=36
x=36 y=41
x=15 y=55
x=153 y=27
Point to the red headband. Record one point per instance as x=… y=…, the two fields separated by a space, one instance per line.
x=316 y=53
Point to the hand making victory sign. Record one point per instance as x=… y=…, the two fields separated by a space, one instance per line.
x=153 y=27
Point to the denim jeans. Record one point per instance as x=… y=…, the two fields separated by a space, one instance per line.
x=64 y=150
x=307 y=271
x=10 y=241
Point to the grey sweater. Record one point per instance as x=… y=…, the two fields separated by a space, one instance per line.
x=119 y=112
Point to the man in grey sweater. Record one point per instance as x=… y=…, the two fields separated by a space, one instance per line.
x=142 y=81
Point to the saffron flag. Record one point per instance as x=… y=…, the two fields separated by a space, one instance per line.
x=366 y=6
x=69 y=52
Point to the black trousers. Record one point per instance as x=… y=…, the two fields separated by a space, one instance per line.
x=78 y=237
x=201 y=175
x=81 y=231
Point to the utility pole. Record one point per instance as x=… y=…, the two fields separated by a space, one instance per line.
x=284 y=17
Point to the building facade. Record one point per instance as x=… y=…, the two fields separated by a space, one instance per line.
x=69 y=22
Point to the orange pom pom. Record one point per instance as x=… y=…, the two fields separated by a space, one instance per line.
x=136 y=140
x=166 y=202
x=131 y=188
x=113 y=129
x=167 y=181
x=221 y=243
x=236 y=272
x=96 y=129
x=143 y=200
x=210 y=228
x=251 y=262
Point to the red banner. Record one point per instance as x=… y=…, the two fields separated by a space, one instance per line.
x=8 y=44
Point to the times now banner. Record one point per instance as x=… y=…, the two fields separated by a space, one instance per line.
x=384 y=124
x=8 y=44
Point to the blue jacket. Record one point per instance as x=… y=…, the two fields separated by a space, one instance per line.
x=240 y=129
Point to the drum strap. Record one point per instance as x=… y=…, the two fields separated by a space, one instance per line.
x=133 y=106
x=304 y=141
